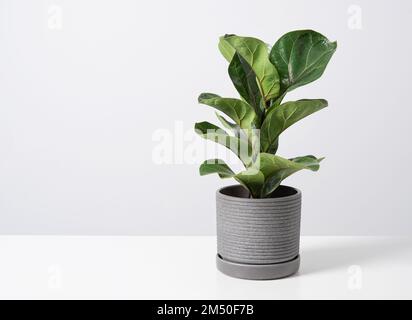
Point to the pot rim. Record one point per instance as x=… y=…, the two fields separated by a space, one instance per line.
x=219 y=194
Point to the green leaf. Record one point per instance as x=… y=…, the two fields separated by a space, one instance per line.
x=310 y=162
x=244 y=80
x=229 y=125
x=239 y=111
x=275 y=169
x=216 y=166
x=273 y=182
x=273 y=146
x=256 y=53
x=252 y=180
x=238 y=146
x=270 y=164
x=225 y=48
x=301 y=57
x=282 y=117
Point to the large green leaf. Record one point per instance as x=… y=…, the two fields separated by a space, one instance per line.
x=256 y=53
x=301 y=57
x=252 y=180
x=275 y=169
x=218 y=166
x=282 y=117
x=244 y=80
x=240 y=147
x=226 y=48
x=239 y=111
x=270 y=164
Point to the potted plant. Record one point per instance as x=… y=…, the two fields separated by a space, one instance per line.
x=258 y=220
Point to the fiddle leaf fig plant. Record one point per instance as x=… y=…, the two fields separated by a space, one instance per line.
x=263 y=76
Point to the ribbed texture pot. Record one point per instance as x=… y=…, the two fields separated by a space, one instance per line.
x=258 y=231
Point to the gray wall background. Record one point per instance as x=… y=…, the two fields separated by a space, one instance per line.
x=84 y=85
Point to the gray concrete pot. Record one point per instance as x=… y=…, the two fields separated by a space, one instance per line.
x=258 y=239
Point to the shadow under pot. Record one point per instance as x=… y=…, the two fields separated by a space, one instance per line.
x=258 y=239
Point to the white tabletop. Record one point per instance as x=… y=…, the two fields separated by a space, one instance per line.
x=69 y=267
